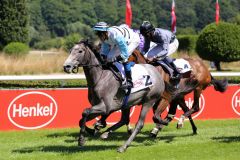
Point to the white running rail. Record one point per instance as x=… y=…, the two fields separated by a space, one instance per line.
x=82 y=76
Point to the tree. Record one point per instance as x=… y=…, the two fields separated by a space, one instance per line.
x=38 y=30
x=56 y=16
x=106 y=11
x=219 y=43
x=142 y=11
x=205 y=14
x=13 y=21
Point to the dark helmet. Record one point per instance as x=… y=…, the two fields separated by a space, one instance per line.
x=146 y=27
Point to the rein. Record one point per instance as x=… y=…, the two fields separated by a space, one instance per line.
x=91 y=65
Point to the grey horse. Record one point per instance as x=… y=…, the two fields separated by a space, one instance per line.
x=105 y=94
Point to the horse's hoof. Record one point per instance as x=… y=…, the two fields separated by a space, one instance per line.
x=152 y=135
x=130 y=131
x=194 y=133
x=81 y=142
x=179 y=126
x=154 y=132
x=99 y=125
x=104 y=135
x=121 y=149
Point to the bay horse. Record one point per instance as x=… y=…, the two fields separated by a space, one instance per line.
x=104 y=93
x=204 y=78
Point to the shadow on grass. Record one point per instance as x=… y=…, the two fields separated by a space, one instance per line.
x=122 y=136
x=226 y=139
x=65 y=149
x=143 y=139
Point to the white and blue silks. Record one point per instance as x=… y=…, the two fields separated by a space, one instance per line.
x=121 y=41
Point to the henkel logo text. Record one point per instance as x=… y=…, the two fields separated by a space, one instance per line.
x=189 y=102
x=38 y=110
x=236 y=102
x=32 y=110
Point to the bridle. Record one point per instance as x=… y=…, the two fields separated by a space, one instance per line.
x=89 y=58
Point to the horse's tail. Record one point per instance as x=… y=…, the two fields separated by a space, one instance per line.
x=219 y=85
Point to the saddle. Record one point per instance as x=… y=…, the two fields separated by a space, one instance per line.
x=182 y=65
x=140 y=76
x=118 y=71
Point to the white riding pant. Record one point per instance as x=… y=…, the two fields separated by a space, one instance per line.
x=155 y=49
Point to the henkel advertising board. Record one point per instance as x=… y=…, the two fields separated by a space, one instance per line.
x=59 y=108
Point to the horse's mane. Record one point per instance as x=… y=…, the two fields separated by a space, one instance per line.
x=94 y=48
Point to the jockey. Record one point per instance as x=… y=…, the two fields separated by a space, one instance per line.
x=166 y=43
x=118 y=43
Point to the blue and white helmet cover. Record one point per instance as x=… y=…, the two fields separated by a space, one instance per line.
x=101 y=26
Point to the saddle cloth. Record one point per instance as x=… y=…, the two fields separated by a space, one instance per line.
x=140 y=77
x=182 y=65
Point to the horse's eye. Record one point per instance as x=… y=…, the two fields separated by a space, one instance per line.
x=80 y=51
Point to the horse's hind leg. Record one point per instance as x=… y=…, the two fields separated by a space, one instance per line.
x=186 y=109
x=138 y=127
x=124 y=120
x=172 y=111
x=158 y=108
x=100 y=124
x=195 y=107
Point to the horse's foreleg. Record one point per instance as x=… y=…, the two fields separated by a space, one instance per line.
x=124 y=120
x=186 y=109
x=138 y=127
x=87 y=115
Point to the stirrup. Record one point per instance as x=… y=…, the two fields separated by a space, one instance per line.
x=175 y=80
x=127 y=85
x=176 y=77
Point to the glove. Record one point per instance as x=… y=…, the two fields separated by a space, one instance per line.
x=119 y=58
x=104 y=57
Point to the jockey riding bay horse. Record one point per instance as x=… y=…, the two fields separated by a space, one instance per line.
x=200 y=73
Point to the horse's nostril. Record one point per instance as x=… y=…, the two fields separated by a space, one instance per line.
x=67 y=66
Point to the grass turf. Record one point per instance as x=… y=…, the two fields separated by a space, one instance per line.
x=216 y=140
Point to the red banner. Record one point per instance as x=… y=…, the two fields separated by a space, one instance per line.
x=58 y=108
x=128 y=13
x=217 y=15
x=174 y=18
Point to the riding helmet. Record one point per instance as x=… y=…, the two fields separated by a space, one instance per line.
x=146 y=27
x=101 y=26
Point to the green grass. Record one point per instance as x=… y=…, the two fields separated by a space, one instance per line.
x=216 y=140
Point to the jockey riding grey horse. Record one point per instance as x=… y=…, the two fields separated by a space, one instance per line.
x=105 y=94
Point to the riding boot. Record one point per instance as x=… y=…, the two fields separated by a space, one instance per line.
x=176 y=73
x=129 y=79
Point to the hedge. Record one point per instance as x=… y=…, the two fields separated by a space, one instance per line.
x=16 y=49
x=219 y=42
x=187 y=43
